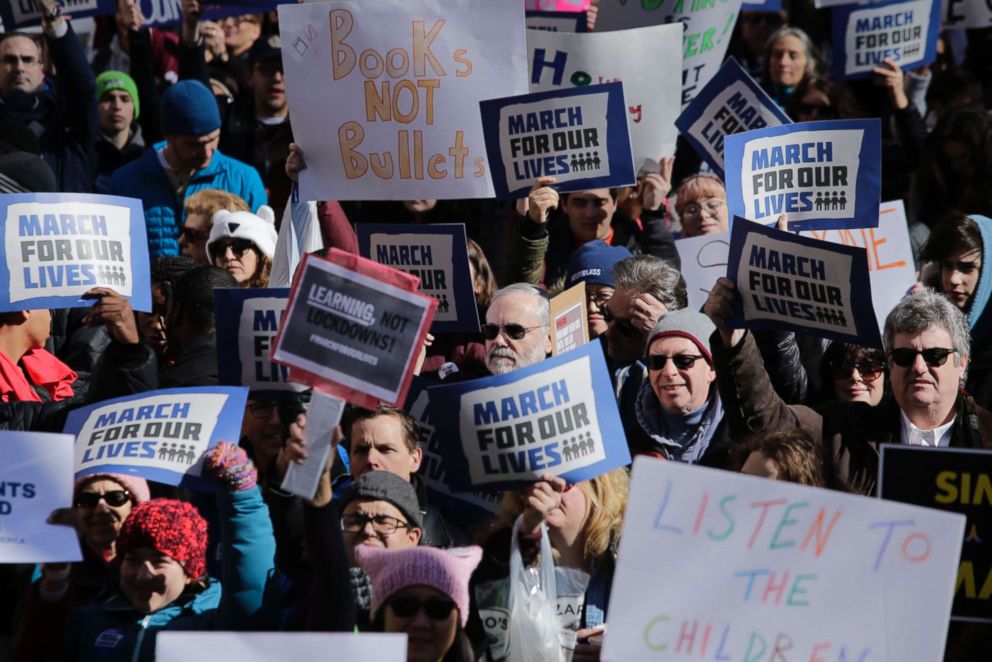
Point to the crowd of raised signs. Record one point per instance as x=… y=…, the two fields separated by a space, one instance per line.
x=485 y=520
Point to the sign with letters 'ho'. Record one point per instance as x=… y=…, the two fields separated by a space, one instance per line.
x=864 y=36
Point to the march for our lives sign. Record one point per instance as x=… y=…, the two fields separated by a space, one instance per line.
x=730 y=103
x=247 y=324
x=558 y=416
x=794 y=283
x=159 y=436
x=437 y=254
x=57 y=246
x=578 y=135
x=864 y=36
x=824 y=175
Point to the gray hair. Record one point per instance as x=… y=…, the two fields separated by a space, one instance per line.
x=542 y=304
x=648 y=274
x=813 y=59
x=924 y=310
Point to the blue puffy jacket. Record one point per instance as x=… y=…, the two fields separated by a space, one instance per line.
x=145 y=179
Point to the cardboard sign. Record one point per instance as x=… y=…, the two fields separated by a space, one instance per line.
x=824 y=175
x=798 y=284
x=730 y=103
x=35 y=479
x=765 y=566
x=558 y=416
x=156 y=13
x=438 y=255
x=704 y=259
x=708 y=28
x=557 y=21
x=557 y=5
x=396 y=83
x=569 y=320
x=173 y=646
x=956 y=480
x=866 y=35
x=160 y=436
x=353 y=328
x=247 y=323
x=578 y=136
x=561 y=60
x=57 y=246
x=966 y=14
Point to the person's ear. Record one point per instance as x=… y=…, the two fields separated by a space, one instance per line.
x=414 y=535
x=417 y=458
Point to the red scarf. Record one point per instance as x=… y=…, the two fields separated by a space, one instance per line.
x=42 y=369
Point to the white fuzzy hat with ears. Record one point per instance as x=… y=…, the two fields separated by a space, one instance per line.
x=258 y=228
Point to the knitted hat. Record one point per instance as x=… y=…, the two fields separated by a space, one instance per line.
x=189 y=109
x=259 y=228
x=386 y=486
x=22 y=172
x=170 y=527
x=137 y=486
x=593 y=262
x=447 y=570
x=118 y=80
x=685 y=323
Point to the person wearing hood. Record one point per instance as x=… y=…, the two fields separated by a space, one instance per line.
x=119 y=141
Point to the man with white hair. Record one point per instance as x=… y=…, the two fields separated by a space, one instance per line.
x=517 y=328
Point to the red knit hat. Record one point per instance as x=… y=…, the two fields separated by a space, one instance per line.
x=170 y=527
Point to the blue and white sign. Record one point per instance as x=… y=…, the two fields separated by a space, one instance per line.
x=794 y=283
x=730 y=103
x=160 y=436
x=557 y=21
x=558 y=416
x=864 y=36
x=824 y=175
x=766 y=6
x=247 y=325
x=57 y=246
x=579 y=136
x=437 y=254
x=35 y=479
x=156 y=13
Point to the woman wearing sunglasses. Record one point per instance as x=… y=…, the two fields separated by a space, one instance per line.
x=244 y=243
x=850 y=373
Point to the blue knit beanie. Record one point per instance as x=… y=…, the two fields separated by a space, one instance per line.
x=189 y=109
x=593 y=262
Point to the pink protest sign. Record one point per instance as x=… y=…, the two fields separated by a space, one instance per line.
x=556 y=5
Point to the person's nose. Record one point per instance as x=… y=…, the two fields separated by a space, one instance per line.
x=669 y=369
x=375 y=460
x=229 y=253
x=956 y=277
x=145 y=571
x=919 y=365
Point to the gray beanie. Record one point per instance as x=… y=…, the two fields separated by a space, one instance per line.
x=685 y=323
x=386 y=486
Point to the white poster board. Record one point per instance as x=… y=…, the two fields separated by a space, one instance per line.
x=171 y=646
x=966 y=14
x=704 y=259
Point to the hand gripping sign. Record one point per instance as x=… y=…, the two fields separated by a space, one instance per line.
x=864 y=36
x=353 y=328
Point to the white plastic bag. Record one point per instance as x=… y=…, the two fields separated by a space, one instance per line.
x=299 y=234
x=534 y=624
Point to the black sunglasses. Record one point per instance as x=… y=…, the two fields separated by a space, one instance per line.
x=437 y=609
x=681 y=361
x=932 y=356
x=513 y=331
x=114 y=499
x=869 y=369
x=239 y=246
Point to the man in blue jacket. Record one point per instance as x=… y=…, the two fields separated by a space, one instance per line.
x=188 y=161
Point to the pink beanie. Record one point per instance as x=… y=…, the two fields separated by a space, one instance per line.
x=137 y=486
x=447 y=570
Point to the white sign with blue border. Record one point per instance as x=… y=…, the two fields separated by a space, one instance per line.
x=579 y=136
x=160 y=436
x=57 y=246
x=824 y=175
x=864 y=36
x=557 y=21
x=558 y=416
x=730 y=103
x=793 y=283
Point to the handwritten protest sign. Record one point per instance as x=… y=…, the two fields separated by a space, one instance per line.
x=171 y=646
x=569 y=321
x=57 y=246
x=766 y=566
x=35 y=479
x=557 y=5
x=866 y=35
x=353 y=328
x=247 y=323
x=438 y=255
x=704 y=259
x=824 y=175
x=730 y=103
x=159 y=436
x=557 y=21
x=396 y=82
x=966 y=14
x=156 y=13
x=561 y=60
x=708 y=28
x=795 y=283
x=558 y=416
x=956 y=480
x=578 y=136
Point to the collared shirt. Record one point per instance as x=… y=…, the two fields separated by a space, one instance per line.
x=914 y=436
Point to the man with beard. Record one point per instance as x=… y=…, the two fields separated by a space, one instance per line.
x=517 y=328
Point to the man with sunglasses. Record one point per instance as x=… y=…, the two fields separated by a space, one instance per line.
x=927 y=347
x=517 y=328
